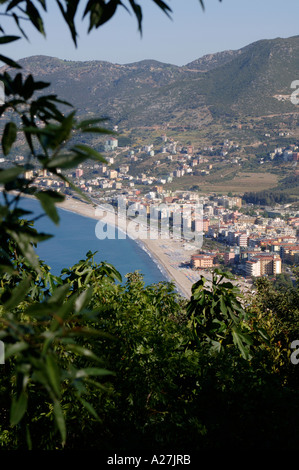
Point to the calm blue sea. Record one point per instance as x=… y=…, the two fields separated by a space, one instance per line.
x=75 y=236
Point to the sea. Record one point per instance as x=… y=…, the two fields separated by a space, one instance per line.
x=75 y=236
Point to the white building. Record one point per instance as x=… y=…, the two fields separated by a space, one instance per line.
x=111 y=144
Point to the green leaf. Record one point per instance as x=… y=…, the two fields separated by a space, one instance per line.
x=43 y=4
x=72 y=185
x=28 y=88
x=239 y=340
x=24 y=241
x=59 y=294
x=88 y=152
x=18 y=293
x=263 y=333
x=6 y=176
x=28 y=438
x=87 y=122
x=110 y=271
x=48 y=200
x=59 y=417
x=88 y=371
x=35 y=17
x=82 y=351
x=9 y=136
x=227 y=285
x=7 y=269
x=99 y=13
x=83 y=300
x=17 y=21
x=89 y=408
x=9 y=62
x=18 y=408
x=12 y=4
x=66 y=161
x=40 y=309
x=62 y=313
x=12 y=349
x=53 y=373
x=223 y=306
x=138 y=13
x=69 y=15
x=6 y=39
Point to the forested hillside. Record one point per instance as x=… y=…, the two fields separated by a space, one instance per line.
x=226 y=85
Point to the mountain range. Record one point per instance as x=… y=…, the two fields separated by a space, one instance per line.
x=254 y=81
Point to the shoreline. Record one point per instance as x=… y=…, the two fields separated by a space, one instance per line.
x=169 y=254
x=172 y=256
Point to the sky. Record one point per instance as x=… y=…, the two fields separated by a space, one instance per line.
x=188 y=35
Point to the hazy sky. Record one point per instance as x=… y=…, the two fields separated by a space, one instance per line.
x=190 y=34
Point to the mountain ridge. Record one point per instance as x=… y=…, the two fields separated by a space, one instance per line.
x=224 y=85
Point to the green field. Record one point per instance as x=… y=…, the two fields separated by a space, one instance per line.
x=241 y=183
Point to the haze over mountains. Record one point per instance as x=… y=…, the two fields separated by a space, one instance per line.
x=252 y=81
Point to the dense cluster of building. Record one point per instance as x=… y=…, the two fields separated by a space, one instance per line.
x=255 y=244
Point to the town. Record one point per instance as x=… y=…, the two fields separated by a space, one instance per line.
x=249 y=240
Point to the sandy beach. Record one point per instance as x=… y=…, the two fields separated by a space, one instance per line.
x=171 y=254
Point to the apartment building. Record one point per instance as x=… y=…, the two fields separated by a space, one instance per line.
x=201 y=225
x=242 y=239
x=202 y=261
x=253 y=268
x=261 y=265
x=229 y=257
x=79 y=172
x=290 y=253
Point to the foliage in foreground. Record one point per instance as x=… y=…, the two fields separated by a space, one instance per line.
x=96 y=364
